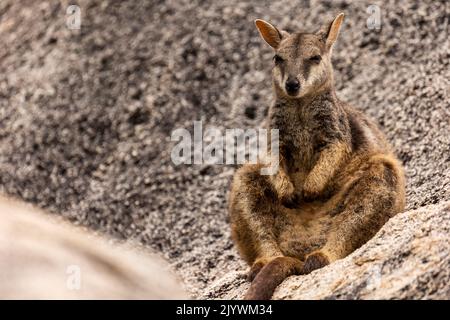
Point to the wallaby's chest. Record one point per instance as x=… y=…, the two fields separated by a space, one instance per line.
x=303 y=133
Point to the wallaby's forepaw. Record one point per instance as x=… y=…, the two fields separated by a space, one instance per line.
x=291 y=202
x=313 y=187
x=309 y=196
x=315 y=260
x=284 y=187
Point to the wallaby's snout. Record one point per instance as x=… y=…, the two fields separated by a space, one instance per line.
x=292 y=86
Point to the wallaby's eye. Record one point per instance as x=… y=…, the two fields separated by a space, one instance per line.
x=278 y=60
x=315 y=59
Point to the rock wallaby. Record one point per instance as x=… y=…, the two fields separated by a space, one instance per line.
x=42 y=257
x=338 y=180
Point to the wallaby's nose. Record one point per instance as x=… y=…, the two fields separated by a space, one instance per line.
x=292 y=86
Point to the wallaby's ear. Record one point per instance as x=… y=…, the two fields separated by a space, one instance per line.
x=269 y=33
x=331 y=33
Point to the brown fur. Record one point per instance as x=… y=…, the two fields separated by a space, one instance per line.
x=315 y=261
x=338 y=181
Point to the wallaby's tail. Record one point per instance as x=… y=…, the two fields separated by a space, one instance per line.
x=271 y=276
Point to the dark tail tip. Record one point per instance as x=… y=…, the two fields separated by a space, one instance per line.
x=271 y=276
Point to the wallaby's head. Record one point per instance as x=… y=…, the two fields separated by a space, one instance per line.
x=302 y=61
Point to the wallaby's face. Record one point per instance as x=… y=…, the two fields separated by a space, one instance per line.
x=302 y=61
x=301 y=65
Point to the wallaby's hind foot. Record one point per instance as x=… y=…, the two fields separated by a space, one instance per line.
x=254 y=270
x=271 y=275
x=259 y=264
x=314 y=261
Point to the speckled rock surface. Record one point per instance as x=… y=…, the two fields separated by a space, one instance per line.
x=86 y=115
x=409 y=258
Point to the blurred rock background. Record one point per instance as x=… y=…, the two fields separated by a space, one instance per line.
x=86 y=115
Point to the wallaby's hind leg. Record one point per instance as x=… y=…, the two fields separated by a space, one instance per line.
x=366 y=205
x=253 y=207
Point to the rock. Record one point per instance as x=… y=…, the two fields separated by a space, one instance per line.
x=46 y=258
x=409 y=258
